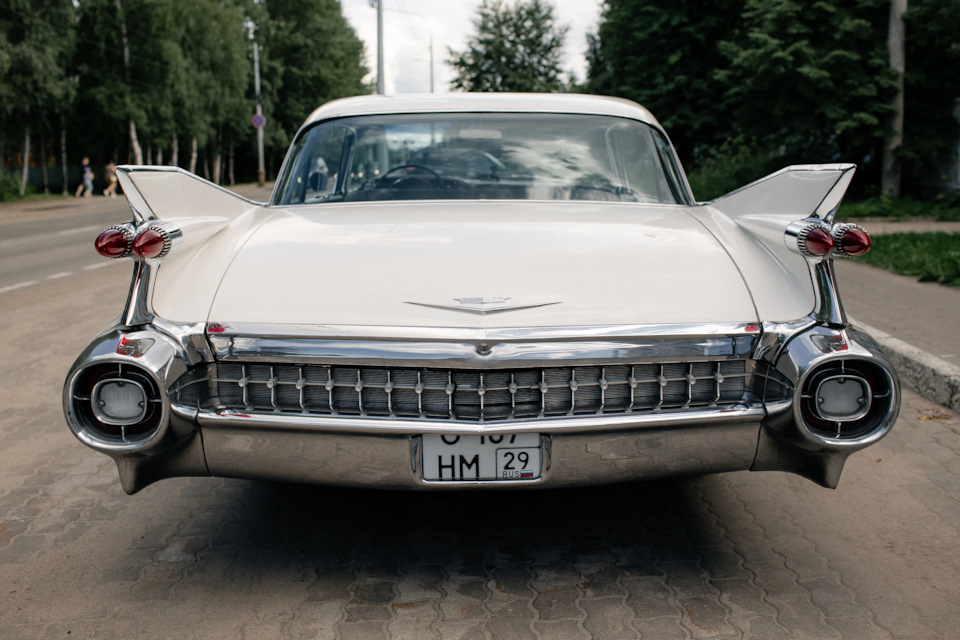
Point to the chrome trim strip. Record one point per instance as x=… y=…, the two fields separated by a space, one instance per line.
x=392 y=426
x=828 y=309
x=138 y=309
x=498 y=334
x=478 y=356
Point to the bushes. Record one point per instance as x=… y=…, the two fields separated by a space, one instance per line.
x=941 y=207
x=931 y=257
x=9 y=187
x=730 y=166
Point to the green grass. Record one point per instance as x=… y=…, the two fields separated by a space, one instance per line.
x=930 y=257
x=942 y=207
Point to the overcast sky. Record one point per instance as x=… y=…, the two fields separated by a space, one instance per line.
x=409 y=24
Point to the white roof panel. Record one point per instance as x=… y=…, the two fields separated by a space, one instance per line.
x=474 y=102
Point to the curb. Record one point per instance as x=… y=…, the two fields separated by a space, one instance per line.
x=931 y=377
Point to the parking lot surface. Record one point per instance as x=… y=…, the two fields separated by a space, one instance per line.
x=742 y=555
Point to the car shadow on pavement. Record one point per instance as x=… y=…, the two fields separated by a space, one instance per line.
x=637 y=527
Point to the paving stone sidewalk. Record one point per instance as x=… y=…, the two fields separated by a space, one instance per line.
x=756 y=556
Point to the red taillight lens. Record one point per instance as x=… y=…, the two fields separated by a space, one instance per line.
x=852 y=240
x=816 y=241
x=150 y=243
x=114 y=243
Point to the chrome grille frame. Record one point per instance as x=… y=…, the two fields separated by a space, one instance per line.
x=480 y=395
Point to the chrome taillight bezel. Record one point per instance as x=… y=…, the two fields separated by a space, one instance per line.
x=841 y=231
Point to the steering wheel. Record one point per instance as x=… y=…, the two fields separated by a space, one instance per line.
x=408 y=180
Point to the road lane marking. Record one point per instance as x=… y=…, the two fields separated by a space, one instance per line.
x=19 y=285
x=68 y=232
x=99 y=265
x=55 y=276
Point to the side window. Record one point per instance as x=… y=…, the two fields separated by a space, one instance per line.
x=316 y=163
x=641 y=164
x=323 y=164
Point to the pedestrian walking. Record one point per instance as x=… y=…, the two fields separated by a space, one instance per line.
x=86 y=176
x=111 y=175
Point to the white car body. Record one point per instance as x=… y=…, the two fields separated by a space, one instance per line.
x=477 y=285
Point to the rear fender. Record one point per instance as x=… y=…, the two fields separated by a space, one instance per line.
x=214 y=224
x=752 y=222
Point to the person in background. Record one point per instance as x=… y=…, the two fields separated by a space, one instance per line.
x=110 y=173
x=86 y=175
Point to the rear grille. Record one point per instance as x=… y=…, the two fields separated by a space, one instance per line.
x=469 y=395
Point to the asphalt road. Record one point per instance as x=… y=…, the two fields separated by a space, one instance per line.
x=742 y=555
x=52 y=246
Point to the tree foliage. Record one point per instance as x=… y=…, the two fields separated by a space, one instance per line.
x=312 y=56
x=662 y=54
x=515 y=48
x=171 y=72
x=811 y=80
x=932 y=89
x=795 y=81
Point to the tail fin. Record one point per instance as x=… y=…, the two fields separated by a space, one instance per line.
x=799 y=191
x=170 y=193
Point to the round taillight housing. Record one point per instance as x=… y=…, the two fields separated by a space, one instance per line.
x=115 y=242
x=152 y=242
x=851 y=240
x=844 y=400
x=815 y=241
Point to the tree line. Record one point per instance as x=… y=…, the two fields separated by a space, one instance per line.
x=165 y=81
x=745 y=87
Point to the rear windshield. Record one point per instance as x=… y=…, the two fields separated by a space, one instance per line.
x=479 y=157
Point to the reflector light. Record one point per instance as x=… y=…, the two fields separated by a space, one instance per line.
x=843 y=398
x=119 y=401
x=815 y=241
x=216 y=327
x=151 y=243
x=135 y=347
x=852 y=240
x=114 y=242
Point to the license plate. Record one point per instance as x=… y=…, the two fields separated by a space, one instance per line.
x=485 y=458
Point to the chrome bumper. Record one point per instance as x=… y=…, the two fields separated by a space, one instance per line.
x=387 y=454
x=194 y=439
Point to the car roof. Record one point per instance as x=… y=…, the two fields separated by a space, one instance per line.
x=483 y=102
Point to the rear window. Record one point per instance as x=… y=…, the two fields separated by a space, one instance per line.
x=479 y=157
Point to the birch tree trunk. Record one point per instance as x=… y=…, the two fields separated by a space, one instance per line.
x=26 y=161
x=896 y=41
x=43 y=164
x=193 y=155
x=134 y=142
x=63 y=153
x=175 y=151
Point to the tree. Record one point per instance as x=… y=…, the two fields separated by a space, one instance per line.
x=36 y=37
x=891 y=173
x=311 y=55
x=812 y=82
x=932 y=89
x=664 y=55
x=514 y=48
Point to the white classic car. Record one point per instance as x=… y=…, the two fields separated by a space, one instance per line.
x=481 y=291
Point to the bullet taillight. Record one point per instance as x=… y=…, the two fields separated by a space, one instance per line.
x=815 y=241
x=150 y=242
x=115 y=242
x=851 y=240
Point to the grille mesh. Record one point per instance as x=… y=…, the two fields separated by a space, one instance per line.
x=470 y=395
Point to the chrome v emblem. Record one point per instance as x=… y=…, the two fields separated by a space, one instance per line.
x=482 y=306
